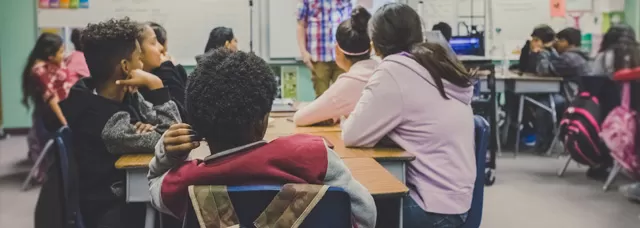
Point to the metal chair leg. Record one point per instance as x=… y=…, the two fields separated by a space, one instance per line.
x=612 y=175
x=519 y=126
x=554 y=141
x=27 y=182
x=564 y=168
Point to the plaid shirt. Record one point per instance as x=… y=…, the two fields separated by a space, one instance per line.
x=322 y=18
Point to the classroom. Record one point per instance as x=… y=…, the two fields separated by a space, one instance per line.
x=320 y=113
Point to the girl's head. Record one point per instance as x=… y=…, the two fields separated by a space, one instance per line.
x=621 y=39
x=76 y=37
x=112 y=50
x=397 y=28
x=49 y=49
x=152 y=50
x=161 y=34
x=221 y=37
x=353 y=43
x=616 y=34
x=543 y=35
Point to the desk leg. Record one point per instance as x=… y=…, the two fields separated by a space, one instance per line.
x=519 y=126
x=495 y=123
x=401 y=214
x=150 y=217
x=554 y=115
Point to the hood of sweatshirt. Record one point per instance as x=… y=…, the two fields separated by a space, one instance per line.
x=463 y=94
x=361 y=70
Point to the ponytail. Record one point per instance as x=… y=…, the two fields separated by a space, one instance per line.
x=435 y=59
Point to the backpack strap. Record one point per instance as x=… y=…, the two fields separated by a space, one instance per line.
x=213 y=207
x=291 y=205
x=626 y=95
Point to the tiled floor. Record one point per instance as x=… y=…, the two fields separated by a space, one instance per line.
x=527 y=194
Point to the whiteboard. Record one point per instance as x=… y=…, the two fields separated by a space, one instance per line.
x=281 y=26
x=188 y=22
x=579 y=5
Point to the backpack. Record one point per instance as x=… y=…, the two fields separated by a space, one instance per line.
x=580 y=129
x=618 y=132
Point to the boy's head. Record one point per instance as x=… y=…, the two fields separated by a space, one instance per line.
x=543 y=35
x=229 y=97
x=444 y=28
x=111 y=49
x=568 y=38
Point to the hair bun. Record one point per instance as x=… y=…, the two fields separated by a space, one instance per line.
x=360 y=19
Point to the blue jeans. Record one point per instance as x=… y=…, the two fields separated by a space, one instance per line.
x=415 y=217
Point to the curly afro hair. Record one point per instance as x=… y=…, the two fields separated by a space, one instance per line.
x=229 y=94
x=106 y=43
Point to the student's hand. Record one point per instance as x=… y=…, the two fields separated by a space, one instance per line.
x=144 y=128
x=140 y=78
x=180 y=139
x=306 y=58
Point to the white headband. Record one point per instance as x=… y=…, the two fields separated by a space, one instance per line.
x=351 y=53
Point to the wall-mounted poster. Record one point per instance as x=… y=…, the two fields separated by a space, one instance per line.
x=611 y=18
x=84 y=4
x=289 y=81
x=63 y=4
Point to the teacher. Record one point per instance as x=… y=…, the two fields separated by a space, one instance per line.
x=317 y=23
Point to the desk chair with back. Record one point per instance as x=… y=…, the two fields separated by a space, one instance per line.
x=482 y=139
x=58 y=203
x=247 y=204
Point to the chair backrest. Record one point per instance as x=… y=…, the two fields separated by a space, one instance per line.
x=482 y=133
x=333 y=210
x=68 y=171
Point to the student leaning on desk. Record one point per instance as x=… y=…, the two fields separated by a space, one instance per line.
x=228 y=102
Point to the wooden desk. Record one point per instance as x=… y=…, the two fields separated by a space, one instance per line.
x=285 y=126
x=375 y=178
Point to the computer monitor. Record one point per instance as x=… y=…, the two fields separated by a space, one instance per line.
x=467 y=45
x=437 y=37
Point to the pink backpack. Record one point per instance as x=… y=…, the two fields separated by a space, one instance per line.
x=618 y=133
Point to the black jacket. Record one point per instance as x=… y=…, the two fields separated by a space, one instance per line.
x=104 y=129
x=175 y=79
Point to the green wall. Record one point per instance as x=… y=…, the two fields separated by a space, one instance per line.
x=18 y=33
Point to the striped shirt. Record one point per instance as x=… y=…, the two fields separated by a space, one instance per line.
x=322 y=18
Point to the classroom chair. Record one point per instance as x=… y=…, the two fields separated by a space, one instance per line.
x=26 y=185
x=58 y=202
x=249 y=202
x=482 y=137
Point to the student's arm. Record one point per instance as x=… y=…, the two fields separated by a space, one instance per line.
x=377 y=113
x=331 y=105
x=55 y=107
x=158 y=109
x=301 y=32
x=363 y=207
x=567 y=65
x=543 y=61
x=121 y=137
x=170 y=151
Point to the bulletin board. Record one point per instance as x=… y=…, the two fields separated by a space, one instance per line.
x=188 y=22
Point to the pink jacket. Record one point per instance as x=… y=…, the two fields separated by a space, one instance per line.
x=401 y=102
x=340 y=98
x=77 y=63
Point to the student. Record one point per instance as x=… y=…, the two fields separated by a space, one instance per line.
x=541 y=40
x=317 y=22
x=161 y=36
x=444 y=28
x=76 y=61
x=352 y=55
x=611 y=53
x=157 y=63
x=109 y=118
x=566 y=59
x=221 y=37
x=419 y=98
x=229 y=99
x=45 y=82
